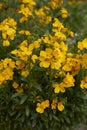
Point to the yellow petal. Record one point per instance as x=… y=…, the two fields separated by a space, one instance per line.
x=60 y=106
x=57 y=89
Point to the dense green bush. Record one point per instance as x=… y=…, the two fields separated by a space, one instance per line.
x=43 y=67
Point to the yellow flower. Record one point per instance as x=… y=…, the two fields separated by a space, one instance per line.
x=1 y=5
x=57 y=88
x=45 y=58
x=54 y=104
x=12 y=23
x=36 y=44
x=45 y=104
x=6 y=43
x=20 y=90
x=60 y=106
x=23 y=19
x=19 y=65
x=71 y=33
x=43 y=15
x=26 y=11
x=8 y=74
x=52 y=58
x=48 y=19
x=58 y=24
x=7 y=62
x=39 y=108
x=8 y=28
x=32 y=2
x=84 y=61
x=24 y=51
x=83 y=84
x=25 y=73
x=69 y=80
x=54 y=4
x=64 y=13
x=24 y=32
x=34 y=58
x=84 y=42
x=15 y=85
x=46 y=39
x=72 y=64
x=82 y=45
x=6 y=70
x=60 y=36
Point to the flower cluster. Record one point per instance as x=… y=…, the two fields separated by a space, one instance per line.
x=8 y=28
x=6 y=70
x=56 y=103
x=42 y=106
x=26 y=9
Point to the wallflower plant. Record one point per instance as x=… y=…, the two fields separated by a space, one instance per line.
x=43 y=81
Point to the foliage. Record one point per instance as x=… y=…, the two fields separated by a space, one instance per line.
x=43 y=66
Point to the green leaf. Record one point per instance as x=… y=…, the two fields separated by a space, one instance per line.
x=23 y=99
x=27 y=111
x=56 y=118
x=16 y=95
